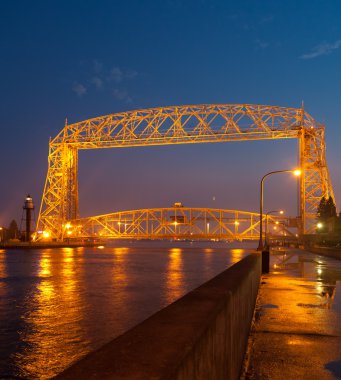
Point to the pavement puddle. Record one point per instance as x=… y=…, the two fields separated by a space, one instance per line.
x=309 y=305
x=269 y=306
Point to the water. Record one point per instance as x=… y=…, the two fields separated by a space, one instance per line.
x=56 y=305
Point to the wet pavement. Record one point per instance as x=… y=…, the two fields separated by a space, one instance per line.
x=297 y=329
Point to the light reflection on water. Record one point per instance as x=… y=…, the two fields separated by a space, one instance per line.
x=53 y=333
x=175 y=275
x=57 y=305
x=3 y=273
x=323 y=273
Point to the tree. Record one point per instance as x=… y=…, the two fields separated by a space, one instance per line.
x=338 y=225
x=327 y=216
x=326 y=209
x=13 y=230
x=321 y=210
x=331 y=208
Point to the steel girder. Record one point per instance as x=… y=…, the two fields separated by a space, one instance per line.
x=175 y=223
x=182 y=125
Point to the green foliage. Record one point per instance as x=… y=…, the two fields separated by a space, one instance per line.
x=327 y=216
x=326 y=209
x=321 y=209
x=331 y=208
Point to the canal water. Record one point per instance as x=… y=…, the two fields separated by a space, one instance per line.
x=56 y=305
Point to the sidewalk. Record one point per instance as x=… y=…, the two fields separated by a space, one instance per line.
x=297 y=331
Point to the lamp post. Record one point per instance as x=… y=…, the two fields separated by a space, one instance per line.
x=319 y=225
x=296 y=172
x=266 y=224
x=2 y=235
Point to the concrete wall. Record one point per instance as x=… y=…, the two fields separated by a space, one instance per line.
x=203 y=335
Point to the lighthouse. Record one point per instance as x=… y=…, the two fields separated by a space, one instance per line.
x=28 y=207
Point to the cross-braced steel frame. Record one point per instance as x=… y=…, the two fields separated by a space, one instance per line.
x=182 y=125
x=176 y=223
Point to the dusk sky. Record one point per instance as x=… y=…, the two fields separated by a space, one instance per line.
x=83 y=59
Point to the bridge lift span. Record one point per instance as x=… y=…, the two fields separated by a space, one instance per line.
x=178 y=223
x=182 y=125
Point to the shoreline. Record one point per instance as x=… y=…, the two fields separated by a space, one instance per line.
x=29 y=246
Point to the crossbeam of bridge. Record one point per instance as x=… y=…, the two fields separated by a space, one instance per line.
x=205 y=123
x=176 y=223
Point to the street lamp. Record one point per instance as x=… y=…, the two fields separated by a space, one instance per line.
x=2 y=234
x=296 y=172
x=66 y=229
x=266 y=223
x=46 y=234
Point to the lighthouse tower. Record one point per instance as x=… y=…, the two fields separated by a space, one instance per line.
x=28 y=207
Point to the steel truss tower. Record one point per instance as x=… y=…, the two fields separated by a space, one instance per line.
x=183 y=125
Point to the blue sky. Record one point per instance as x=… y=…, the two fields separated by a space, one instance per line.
x=82 y=59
